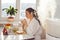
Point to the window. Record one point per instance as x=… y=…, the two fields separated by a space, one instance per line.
x=24 y=4
x=6 y=4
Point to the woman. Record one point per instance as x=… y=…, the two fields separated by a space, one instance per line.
x=33 y=27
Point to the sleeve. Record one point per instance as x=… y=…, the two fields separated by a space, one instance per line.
x=33 y=28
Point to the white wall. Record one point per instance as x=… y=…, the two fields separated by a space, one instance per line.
x=57 y=13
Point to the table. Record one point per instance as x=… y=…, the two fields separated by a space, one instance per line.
x=17 y=37
x=14 y=37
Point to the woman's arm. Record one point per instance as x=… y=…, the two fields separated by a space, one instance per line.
x=24 y=23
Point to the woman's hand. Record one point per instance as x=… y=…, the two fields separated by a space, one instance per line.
x=24 y=24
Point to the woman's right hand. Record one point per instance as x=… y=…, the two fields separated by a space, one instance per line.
x=24 y=23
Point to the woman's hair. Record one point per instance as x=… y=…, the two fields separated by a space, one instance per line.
x=34 y=13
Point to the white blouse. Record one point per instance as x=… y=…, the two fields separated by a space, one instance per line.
x=34 y=29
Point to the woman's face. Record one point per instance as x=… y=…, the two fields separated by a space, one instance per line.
x=28 y=14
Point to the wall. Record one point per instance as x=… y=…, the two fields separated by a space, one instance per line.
x=57 y=13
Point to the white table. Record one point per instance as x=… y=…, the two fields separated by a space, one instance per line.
x=13 y=37
x=17 y=37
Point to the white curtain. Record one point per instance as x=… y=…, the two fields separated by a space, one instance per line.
x=46 y=9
